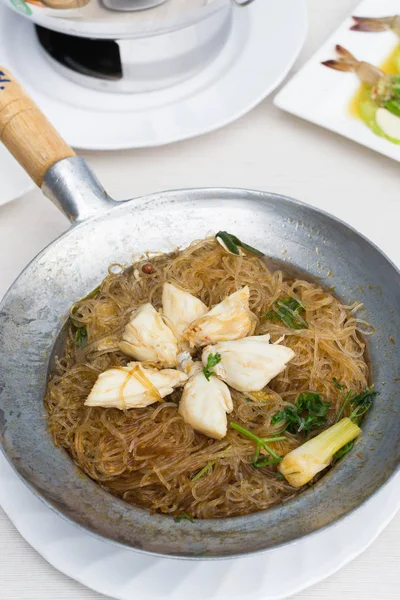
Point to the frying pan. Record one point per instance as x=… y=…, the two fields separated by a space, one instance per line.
x=103 y=231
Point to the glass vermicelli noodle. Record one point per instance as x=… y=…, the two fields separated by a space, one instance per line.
x=151 y=457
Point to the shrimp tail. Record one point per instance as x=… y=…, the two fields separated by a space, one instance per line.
x=372 y=25
x=346 y=61
x=338 y=65
x=345 y=54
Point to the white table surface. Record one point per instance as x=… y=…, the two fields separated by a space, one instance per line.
x=266 y=149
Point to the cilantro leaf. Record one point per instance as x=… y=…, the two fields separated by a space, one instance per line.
x=212 y=361
x=81 y=337
x=289 y=311
x=362 y=402
x=183 y=515
x=308 y=413
x=359 y=403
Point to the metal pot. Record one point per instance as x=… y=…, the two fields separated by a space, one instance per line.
x=34 y=312
x=115 y=19
x=146 y=45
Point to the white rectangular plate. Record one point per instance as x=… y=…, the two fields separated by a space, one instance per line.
x=323 y=96
x=14 y=182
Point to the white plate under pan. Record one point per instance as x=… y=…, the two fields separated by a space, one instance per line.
x=127 y=575
x=265 y=40
x=14 y=181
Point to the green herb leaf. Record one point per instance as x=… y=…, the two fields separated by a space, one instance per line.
x=257 y=454
x=289 y=312
x=291 y=417
x=265 y=462
x=233 y=243
x=308 y=413
x=294 y=422
x=359 y=403
x=338 y=385
x=313 y=403
x=278 y=417
x=346 y=399
x=203 y=471
x=279 y=475
x=81 y=337
x=212 y=360
x=340 y=453
x=396 y=86
x=183 y=515
x=393 y=106
x=259 y=441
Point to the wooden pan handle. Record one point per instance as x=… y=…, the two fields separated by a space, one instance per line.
x=26 y=132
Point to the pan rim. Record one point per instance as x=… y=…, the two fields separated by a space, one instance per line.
x=178 y=195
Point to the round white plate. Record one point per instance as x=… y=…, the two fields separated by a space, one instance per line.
x=125 y=574
x=14 y=181
x=265 y=40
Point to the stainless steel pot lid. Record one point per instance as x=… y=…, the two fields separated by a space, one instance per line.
x=141 y=63
x=121 y=18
